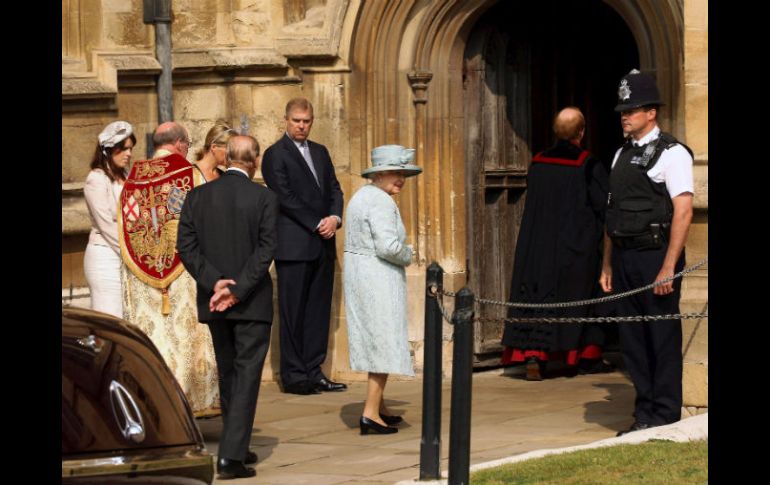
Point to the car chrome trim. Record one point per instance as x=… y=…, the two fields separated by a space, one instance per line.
x=172 y=460
x=92 y=342
x=133 y=427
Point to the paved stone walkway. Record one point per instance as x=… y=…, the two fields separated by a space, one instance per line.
x=315 y=439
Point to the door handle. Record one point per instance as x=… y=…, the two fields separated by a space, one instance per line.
x=126 y=413
x=92 y=342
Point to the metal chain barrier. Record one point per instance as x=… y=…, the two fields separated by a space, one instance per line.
x=629 y=319
x=463 y=320
x=638 y=318
x=437 y=295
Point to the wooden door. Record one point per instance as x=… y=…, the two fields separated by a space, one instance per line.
x=498 y=117
x=524 y=61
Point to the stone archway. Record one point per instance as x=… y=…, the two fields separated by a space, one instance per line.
x=406 y=86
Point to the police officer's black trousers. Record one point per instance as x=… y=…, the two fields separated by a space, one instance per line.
x=652 y=351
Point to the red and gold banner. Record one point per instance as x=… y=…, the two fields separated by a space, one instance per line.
x=150 y=207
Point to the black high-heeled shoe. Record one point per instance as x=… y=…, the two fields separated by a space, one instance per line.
x=391 y=420
x=366 y=425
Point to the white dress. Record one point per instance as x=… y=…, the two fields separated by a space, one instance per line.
x=102 y=262
x=375 y=284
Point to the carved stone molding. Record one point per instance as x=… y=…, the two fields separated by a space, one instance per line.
x=418 y=80
x=187 y=60
x=317 y=35
x=97 y=89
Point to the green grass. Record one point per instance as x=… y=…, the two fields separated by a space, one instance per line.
x=656 y=462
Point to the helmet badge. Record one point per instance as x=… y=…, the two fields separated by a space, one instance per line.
x=624 y=92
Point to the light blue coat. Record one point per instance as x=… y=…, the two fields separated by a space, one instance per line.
x=375 y=284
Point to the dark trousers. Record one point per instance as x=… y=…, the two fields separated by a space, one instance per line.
x=304 y=300
x=652 y=351
x=240 y=347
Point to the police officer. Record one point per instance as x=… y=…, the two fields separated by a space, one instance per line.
x=648 y=215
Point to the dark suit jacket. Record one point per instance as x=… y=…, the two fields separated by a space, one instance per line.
x=227 y=230
x=302 y=202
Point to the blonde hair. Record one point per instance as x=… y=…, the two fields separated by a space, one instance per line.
x=219 y=134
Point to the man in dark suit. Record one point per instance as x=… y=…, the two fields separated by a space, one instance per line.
x=301 y=174
x=227 y=240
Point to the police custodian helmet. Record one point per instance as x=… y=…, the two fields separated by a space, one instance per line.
x=637 y=89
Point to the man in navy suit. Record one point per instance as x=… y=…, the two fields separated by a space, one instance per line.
x=227 y=240
x=301 y=174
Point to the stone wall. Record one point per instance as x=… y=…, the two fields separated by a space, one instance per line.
x=695 y=289
x=242 y=60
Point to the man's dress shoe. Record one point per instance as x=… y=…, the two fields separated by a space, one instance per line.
x=251 y=458
x=302 y=388
x=391 y=420
x=325 y=385
x=227 y=469
x=636 y=427
x=366 y=425
x=534 y=370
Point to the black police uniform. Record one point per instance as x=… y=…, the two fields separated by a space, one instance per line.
x=638 y=222
x=639 y=215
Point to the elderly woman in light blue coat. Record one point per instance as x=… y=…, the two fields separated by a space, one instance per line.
x=375 y=281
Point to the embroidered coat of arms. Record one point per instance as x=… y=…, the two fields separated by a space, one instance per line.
x=150 y=207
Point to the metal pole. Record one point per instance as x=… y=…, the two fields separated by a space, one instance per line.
x=158 y=12
x=430 y=442
x=163 y=53
x=462 y=386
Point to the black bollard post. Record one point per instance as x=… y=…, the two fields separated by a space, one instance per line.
x=462 y=387
x=430 y=443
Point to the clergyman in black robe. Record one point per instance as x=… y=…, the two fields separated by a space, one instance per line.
x=558 y=253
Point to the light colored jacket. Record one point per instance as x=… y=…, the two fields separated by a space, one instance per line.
x=374 y=228
x=102 y=200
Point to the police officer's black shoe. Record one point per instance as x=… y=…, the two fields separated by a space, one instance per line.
x=637 y=426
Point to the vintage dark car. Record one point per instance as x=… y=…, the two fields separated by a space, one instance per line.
x=124 y=418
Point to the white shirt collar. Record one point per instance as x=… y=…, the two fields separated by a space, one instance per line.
x=244 y=172
x=652 y=135
x=299 y=144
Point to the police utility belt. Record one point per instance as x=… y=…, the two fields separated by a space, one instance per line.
x=656 y=238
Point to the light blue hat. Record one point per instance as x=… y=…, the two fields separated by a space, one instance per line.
x=392 y=157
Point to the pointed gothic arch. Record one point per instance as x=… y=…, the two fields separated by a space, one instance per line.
x=406 y=87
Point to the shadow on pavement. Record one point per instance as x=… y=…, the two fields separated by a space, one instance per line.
x=211 y=428
x=614 y=411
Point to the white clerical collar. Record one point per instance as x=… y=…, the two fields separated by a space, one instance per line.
x=244 y=172
x=652 y=135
